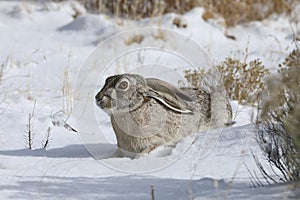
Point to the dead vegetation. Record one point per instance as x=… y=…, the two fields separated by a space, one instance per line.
x=46 y=142
x=29 y=135
x=1 y=71
x=243 y=82
x=243 y=11
x=279 y=135
x=278 y=101
x=135 y=39
x=234 y=12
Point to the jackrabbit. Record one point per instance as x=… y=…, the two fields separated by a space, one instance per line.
x=148 y=112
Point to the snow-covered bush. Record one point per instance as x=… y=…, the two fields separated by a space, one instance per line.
x=279 y=134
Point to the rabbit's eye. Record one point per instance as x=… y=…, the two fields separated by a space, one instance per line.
x=123 y=85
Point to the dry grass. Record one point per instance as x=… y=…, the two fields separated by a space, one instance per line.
x=242 y=11
x=234 y=12
x=67 y=102
x=2 y=97
x=1 y=71
x=138 y=38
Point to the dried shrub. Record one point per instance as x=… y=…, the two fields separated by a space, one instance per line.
x=195 y=77
x=279 y=134
x=134 y=39
x=209 y=80
x=243 y=82
x=234 y=12
x=241 y=11
x=136 y=9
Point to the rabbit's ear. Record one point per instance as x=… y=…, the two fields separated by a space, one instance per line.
x=168 y=95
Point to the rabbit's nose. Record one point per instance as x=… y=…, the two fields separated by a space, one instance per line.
x=99 y=96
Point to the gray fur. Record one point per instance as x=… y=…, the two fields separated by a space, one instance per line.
x=152 y=112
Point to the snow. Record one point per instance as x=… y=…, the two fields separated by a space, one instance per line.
x=44 y=52
x=133 y=187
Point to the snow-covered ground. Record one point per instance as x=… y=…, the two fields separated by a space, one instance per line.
x=43 y=53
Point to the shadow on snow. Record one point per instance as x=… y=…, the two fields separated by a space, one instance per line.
x=134 y=187
x=70 y=151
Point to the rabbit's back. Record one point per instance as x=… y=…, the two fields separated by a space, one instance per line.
x=212 y=108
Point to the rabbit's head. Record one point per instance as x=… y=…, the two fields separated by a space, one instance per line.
x=127 y=92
